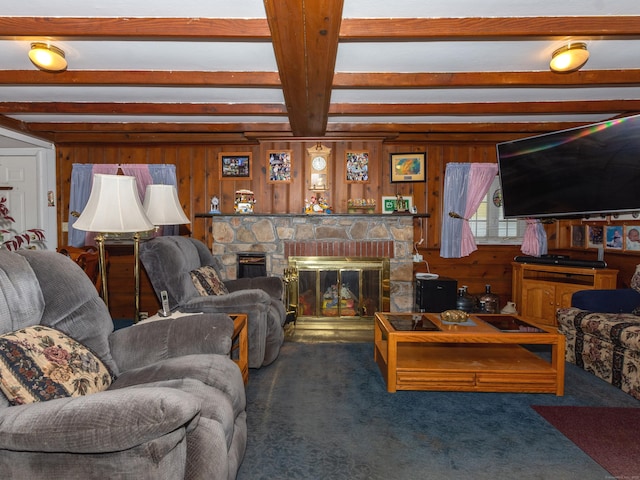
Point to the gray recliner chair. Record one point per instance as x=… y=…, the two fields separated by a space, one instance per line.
x=175 y=407
x=169 y=260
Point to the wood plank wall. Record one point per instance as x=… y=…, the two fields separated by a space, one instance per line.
x=198 y=173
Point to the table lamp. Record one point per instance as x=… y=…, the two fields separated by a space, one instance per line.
x=162 y=206
x=114 y=207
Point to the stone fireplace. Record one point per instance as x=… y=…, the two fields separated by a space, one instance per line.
x=354 y=236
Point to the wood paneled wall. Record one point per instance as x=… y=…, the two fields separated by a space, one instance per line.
x=489 y=265
x=198 y=172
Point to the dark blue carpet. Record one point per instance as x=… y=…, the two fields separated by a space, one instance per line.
x=321 y=411
x=119 y=323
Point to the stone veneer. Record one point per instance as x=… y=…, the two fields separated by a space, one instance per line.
x=281 y=235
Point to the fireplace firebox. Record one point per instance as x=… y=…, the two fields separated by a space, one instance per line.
x=339 y=287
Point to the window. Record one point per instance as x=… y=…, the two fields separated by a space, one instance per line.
x=489 y=225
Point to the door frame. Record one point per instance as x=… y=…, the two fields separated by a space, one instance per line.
x=45 y=157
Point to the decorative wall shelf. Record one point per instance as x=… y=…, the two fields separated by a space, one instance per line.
x=368 y=215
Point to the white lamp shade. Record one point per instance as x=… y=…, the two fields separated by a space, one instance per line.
x=162 y=206
x=114 y=207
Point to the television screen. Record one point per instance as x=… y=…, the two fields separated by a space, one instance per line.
x=582 y=171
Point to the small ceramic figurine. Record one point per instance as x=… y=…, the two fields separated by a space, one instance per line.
x=317 y=205
x=215 y=205
x=244 y=202
x=509 y=308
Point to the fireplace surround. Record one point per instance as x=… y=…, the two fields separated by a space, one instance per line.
x=280 y=236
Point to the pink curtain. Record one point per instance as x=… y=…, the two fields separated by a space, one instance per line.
x=534 y=241
x=480 y=177
x=142 y=175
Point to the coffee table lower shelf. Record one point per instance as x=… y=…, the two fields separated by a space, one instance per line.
x=468 y=368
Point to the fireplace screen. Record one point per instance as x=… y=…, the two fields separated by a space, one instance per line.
x=340 y=286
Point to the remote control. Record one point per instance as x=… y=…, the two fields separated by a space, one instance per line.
x=165 y=312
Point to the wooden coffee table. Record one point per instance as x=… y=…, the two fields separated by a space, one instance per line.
x=417 y=351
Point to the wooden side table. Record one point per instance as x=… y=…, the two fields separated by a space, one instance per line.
x=240 y=344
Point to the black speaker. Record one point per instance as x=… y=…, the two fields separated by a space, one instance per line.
x=436 y=294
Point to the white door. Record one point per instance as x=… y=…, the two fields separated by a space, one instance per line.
x=20 y=174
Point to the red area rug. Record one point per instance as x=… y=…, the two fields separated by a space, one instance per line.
x=611 y=436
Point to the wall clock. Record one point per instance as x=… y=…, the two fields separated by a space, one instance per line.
x=318 y=162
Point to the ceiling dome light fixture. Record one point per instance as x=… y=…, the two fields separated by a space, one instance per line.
x=47 y=57
x=569 y=58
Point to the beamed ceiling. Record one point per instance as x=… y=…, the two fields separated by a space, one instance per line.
x=221 y=71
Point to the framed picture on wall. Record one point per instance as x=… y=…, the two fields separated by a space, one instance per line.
x=408 y=167
x=632 y=238
x=357 y=167
x=389 y=203
x=614 y=237
x=235 y=165
x=279 y=163
x=595 y=237
x=578 y=236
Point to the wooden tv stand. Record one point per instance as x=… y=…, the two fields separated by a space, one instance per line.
x=540 y=290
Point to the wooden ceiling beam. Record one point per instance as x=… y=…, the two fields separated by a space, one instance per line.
x=305 y=34
x=255 y=29
x=485 y=79
x=340 y=109
x=140 y=77
x=343 y=80
x=483 y=127
x=463 y=137
x=221 y=133
x=274 y=128
x=305 y=42
x=402 y=29
x=18 y=126
x=88 y=128
x=151 y=138
x=350 y=29
x=480 y=108
x=109 y=108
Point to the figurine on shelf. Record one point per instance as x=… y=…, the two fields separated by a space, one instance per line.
x=215 y=205
x=361 y=205
x=400 y=203
x=244 y=202
x=316 y=205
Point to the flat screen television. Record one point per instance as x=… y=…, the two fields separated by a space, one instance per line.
x=585 y=171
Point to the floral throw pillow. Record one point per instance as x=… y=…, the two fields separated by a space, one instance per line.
x=207 y=282
x=40 y=363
